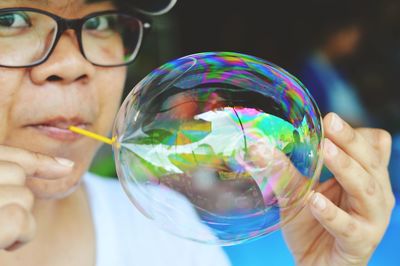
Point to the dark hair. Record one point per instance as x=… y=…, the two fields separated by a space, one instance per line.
x=327 y=17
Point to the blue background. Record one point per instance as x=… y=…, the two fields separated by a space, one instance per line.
x=272 y=250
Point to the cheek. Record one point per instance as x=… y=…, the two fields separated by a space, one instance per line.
x=110 y=87
x=10 y=80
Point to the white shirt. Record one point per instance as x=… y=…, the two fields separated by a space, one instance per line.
x=124 y=237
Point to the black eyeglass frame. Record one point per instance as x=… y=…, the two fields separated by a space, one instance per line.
x=64 y=24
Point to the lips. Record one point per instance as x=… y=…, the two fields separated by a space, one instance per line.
x=57 y=128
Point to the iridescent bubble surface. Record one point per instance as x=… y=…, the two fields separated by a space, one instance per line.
x=219 y=147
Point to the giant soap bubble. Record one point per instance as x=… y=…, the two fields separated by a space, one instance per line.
x=219 y=147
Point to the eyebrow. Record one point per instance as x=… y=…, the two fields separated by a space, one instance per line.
x=58 y=4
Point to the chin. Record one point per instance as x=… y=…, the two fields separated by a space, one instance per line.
x=53 y=189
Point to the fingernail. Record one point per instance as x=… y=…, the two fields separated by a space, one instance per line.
x=336 y=123
x=318 y=201
x=64 y=162
x=330 y=148
x=310 y=195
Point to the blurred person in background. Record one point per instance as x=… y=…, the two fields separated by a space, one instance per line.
x=337 y=31
x=64 y=63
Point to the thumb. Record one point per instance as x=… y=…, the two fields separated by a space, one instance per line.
x=336 y=221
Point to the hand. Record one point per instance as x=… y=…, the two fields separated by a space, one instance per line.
x=17 y=224
x=346 y=218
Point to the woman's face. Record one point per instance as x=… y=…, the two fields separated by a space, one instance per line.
x=37 y=104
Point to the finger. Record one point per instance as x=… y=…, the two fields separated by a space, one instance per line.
x=354 y=179
x=381 y=140
x=16 y=195
x=275 y=174
x=36 y=164
x=382 y=143
x=337 y=222
x=16 y=225
x=13 y=174
x=16 y=245
x=350 y=141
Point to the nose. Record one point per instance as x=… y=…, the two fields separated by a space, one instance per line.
x=65 y=65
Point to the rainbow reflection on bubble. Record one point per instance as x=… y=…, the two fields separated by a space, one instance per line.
x=219 y=147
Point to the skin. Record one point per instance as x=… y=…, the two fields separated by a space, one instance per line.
x=342 y=43
x=38 y=231
x=343 y=219
x=346 y=217
x=29 y=170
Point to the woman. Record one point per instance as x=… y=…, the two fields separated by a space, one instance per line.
x=56 y=73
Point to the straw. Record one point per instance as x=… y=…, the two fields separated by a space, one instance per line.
x=92 y=135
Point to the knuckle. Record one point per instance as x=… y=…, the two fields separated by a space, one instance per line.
x=350 y=229
x=349 y=134
x=13 y=219
x=331 y=215
x=35 y=158
x=9 y=235
x=21 y=219
x=391 y=201
x=384 y=138
x=15 y=212
x=375 y=161
x=371 y=187
x=383 y=146
x=13 y=170
x=27 y=197
x=16 y=170
x=344 y=161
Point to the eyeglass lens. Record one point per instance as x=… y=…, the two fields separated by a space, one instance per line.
x=111 y=39
x=26 y=38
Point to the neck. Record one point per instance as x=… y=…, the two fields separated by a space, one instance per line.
x=46 y=210
x=329 y=53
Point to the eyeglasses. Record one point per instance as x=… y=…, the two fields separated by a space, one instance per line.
x=109 y=38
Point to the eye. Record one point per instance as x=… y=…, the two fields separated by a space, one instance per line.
x=99 y=23
x=14 y=20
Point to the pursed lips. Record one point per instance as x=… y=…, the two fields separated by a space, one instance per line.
x=57 y=128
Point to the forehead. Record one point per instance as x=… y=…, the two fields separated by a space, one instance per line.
x=61 y=6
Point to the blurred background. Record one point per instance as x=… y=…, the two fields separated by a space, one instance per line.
x=347 y=53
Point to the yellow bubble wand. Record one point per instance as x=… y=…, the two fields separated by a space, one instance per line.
x=92 y=135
